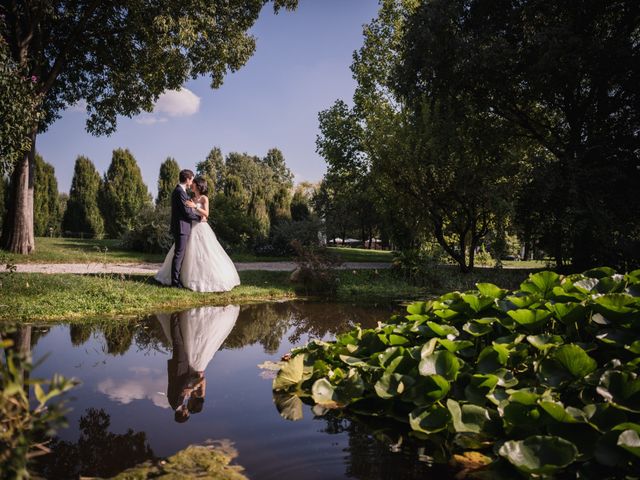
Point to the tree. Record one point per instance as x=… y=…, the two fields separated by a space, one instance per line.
x=19 y=111
x=564 y=75
x=122 y=193
x=281 y=185
x=4 y=191
x=212 y=170
x=82 y=215
x=119 y=57
x=46 y=209
x=167 y=181
x=302 y=201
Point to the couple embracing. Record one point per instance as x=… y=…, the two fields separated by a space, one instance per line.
x=196 y=260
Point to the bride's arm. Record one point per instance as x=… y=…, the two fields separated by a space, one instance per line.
x=204 y=211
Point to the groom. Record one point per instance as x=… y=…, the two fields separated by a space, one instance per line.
x=181 y=218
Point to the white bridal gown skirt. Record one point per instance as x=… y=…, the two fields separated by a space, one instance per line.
x=206 y=266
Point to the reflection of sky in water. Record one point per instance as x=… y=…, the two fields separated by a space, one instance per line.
x=145 y=383
x=132 y=389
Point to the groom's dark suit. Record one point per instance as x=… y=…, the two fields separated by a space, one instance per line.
x=181 y=218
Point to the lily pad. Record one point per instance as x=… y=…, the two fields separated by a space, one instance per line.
x=430 y=419
x=575 y=360
x=530 y=318
x=467 y=417
x=541 y=283
x=442 y=363
x=290 y=374
x=539 y=454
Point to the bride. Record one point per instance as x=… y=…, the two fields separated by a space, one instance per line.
x=206 y=266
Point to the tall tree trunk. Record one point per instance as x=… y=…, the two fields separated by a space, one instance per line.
x=17 y=234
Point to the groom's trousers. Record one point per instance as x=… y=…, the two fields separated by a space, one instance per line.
x=180 y=245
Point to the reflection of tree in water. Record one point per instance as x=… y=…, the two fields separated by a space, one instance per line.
x=80 y=333
x=261 y=323
x=320 y=319
x=375 y=450
x=97 y=452
x=264 y=324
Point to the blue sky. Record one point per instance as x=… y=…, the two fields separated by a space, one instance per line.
x=301 y=66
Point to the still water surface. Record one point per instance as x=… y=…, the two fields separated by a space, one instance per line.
x=123 y=411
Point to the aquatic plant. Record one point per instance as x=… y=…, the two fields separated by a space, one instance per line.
x=542 y=379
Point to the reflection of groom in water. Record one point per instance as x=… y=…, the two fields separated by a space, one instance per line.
x=181 y=376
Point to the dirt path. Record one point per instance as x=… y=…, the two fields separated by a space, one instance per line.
x=151 y=268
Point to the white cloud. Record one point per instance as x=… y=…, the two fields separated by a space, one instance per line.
x=178 y=103
x=146 y=383
x=172 y=103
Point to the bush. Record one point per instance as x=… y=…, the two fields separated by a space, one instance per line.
x=315 y=270
x=234 y=228
x=150 y=232
x=539 y=381
x=305 y=232
x=420 y=267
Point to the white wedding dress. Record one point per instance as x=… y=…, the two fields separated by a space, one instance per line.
x=204 y=330
x=206 y=266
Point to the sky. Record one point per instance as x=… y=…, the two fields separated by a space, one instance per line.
x=300 y=67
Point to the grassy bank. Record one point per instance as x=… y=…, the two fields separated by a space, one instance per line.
x=77 y=250
x=46 y=297
x=49 y=297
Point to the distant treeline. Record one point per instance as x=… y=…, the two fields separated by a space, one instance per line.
x=251 y=199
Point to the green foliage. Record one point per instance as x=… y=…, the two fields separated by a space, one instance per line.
x=167 y=181
x=4 y=197
x=284 y=232
x=315 y=272
x=149 y=232
x=231 y=223
x=212 y=170
x=537 y=70
x=82 y=215
x=19 y=108
x=25 y=425
x=123 y=193
x=47 y=217
x=550 y=369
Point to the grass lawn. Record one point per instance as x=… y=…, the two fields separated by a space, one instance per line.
x=32 y=297
x=76 y=250
x=348 y=254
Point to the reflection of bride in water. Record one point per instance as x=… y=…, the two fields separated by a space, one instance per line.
x=195 y=336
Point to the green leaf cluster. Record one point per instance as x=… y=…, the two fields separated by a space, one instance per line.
x=24 y=423
x=543 y=379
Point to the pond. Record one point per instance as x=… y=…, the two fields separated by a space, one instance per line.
x=131 y=377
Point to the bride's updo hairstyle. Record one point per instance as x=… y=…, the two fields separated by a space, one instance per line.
x=201 y=183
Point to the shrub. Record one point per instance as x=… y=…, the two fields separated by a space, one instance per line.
x=150 y=231
x=541 y=380
x=305 y=232
x=315 y=270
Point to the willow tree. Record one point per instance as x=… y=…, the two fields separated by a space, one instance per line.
x=118 y=57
